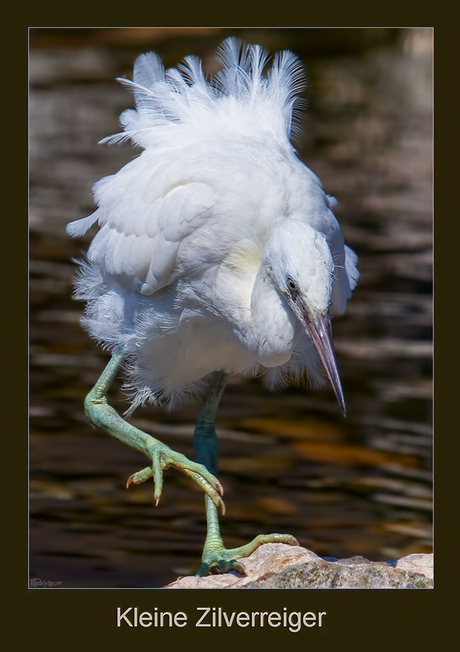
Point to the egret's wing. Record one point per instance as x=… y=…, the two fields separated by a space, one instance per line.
x=351 y=266
x=345 y=260
x=317 y=209
x=346 y=273
x=141 y=231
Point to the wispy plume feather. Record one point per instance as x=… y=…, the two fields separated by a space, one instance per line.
x=242 y=95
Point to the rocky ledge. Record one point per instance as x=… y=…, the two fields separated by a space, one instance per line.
x=279 y=566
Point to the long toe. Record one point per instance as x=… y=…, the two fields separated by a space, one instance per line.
x=164 y=457
x=217 y=559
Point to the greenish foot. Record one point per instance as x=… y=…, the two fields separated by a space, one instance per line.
x=163 y=458
x=216 y=558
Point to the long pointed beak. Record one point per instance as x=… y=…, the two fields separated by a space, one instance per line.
x=320 y=330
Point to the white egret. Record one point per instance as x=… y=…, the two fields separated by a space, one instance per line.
x=217 y=253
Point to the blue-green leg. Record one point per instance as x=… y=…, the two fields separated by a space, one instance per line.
x=215 y=556
x=161 y=457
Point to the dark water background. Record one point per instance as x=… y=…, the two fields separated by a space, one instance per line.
x=289 y=461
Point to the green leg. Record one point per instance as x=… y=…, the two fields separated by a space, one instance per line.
x=161 y=457
x=215 y=556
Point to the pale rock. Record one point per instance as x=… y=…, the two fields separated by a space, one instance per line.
x=277 y=565
x=417 y=563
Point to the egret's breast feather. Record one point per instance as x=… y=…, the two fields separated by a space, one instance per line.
x=244 y=260
x=237 y=275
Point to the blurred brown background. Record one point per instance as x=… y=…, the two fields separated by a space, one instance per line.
x=289 y=461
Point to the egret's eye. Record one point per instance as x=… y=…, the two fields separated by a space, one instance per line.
x=291 y=284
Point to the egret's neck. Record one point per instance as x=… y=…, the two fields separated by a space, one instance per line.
x=273 y=322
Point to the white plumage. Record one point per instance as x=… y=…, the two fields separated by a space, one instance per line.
x=200 y=234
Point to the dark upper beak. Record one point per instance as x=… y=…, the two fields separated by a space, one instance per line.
x=320 y=330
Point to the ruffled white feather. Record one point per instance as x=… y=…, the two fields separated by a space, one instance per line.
x=240 y=97
x=166 y=274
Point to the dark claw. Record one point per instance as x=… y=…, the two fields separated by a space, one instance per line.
x=237 y=566
x=223 y=565
x=220 y=488
x=227 y=566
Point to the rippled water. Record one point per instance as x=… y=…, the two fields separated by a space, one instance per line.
x=289 y=461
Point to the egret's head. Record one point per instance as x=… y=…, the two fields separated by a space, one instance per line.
x=299 y=262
